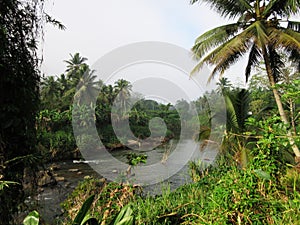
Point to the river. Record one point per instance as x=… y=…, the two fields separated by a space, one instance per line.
x=48 y=200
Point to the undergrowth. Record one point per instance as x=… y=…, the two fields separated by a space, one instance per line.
x=224 y=194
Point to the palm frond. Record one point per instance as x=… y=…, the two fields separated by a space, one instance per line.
x=294 y=25
x=237 y=108
x=227 y=8
x=285 y=38
x=294 y=56
x=292 y=50
x=253 y=60
x=54 y=22
x=283 y=8
x=228 y=53
x=198 y=67
x=276 y=63
x=242 y=102
x=227 y=61
x=246 y=17
x=270 y=8
x=213 y=38
x=261 y=34
x=292 y=6
x=231 y=118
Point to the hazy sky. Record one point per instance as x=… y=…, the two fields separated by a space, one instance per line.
x=95 y=27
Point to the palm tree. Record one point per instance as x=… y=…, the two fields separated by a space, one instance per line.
x=123 y=89
x=223 y=85
x=63 y=83
x=50 y=91
x=107 y=94
x=74 y=65
x=263 y=27
x=87 y=88
x=237 y=109
x=76 y=70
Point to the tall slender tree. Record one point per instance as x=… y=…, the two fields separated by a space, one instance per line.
x=76 y=68
x=262 y=28
x=123 y=89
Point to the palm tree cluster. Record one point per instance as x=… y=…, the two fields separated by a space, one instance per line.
x=78 y=91
x=77 y=84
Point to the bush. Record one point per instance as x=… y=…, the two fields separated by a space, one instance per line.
x=109 y=199
x=60 y=144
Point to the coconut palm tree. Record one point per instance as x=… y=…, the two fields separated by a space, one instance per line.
x=74 y=65
x=76 y=71
x=262 y=29
x=223 y=85
x=107 y=94
x=123 y=89
x=88 y=88
x=50 y=92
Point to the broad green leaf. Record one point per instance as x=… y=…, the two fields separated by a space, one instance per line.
x=32 y=218
x=88 y=220
x=83 y=210
x=125 y=217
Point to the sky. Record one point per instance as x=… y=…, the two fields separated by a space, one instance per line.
x=96 y=27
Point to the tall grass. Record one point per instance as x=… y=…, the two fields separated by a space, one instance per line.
x=225 y=195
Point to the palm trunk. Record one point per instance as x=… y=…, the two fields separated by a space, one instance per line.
x=292 y=112
x=282 y=113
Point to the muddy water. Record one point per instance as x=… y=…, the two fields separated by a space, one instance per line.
x=48 y=200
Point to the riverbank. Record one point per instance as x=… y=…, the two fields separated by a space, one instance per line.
x=61 y=179
x=222 y=194
x=69 y=173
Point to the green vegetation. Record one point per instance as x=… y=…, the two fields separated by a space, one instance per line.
x=258 y=29
x=255 y=179
x=107 y=200
x=54 y=121
x=21 y=24
x=125 y=216
x=223 y=194
x=256 y=176
x=32 y=218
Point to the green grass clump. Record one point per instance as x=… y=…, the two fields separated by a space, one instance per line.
x=225 y=195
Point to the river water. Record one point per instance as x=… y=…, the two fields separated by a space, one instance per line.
x=49 y=199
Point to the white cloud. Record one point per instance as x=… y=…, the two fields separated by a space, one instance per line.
x=95 y=27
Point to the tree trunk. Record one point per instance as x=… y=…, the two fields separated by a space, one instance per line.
x=292 y=112
x=282 y=113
